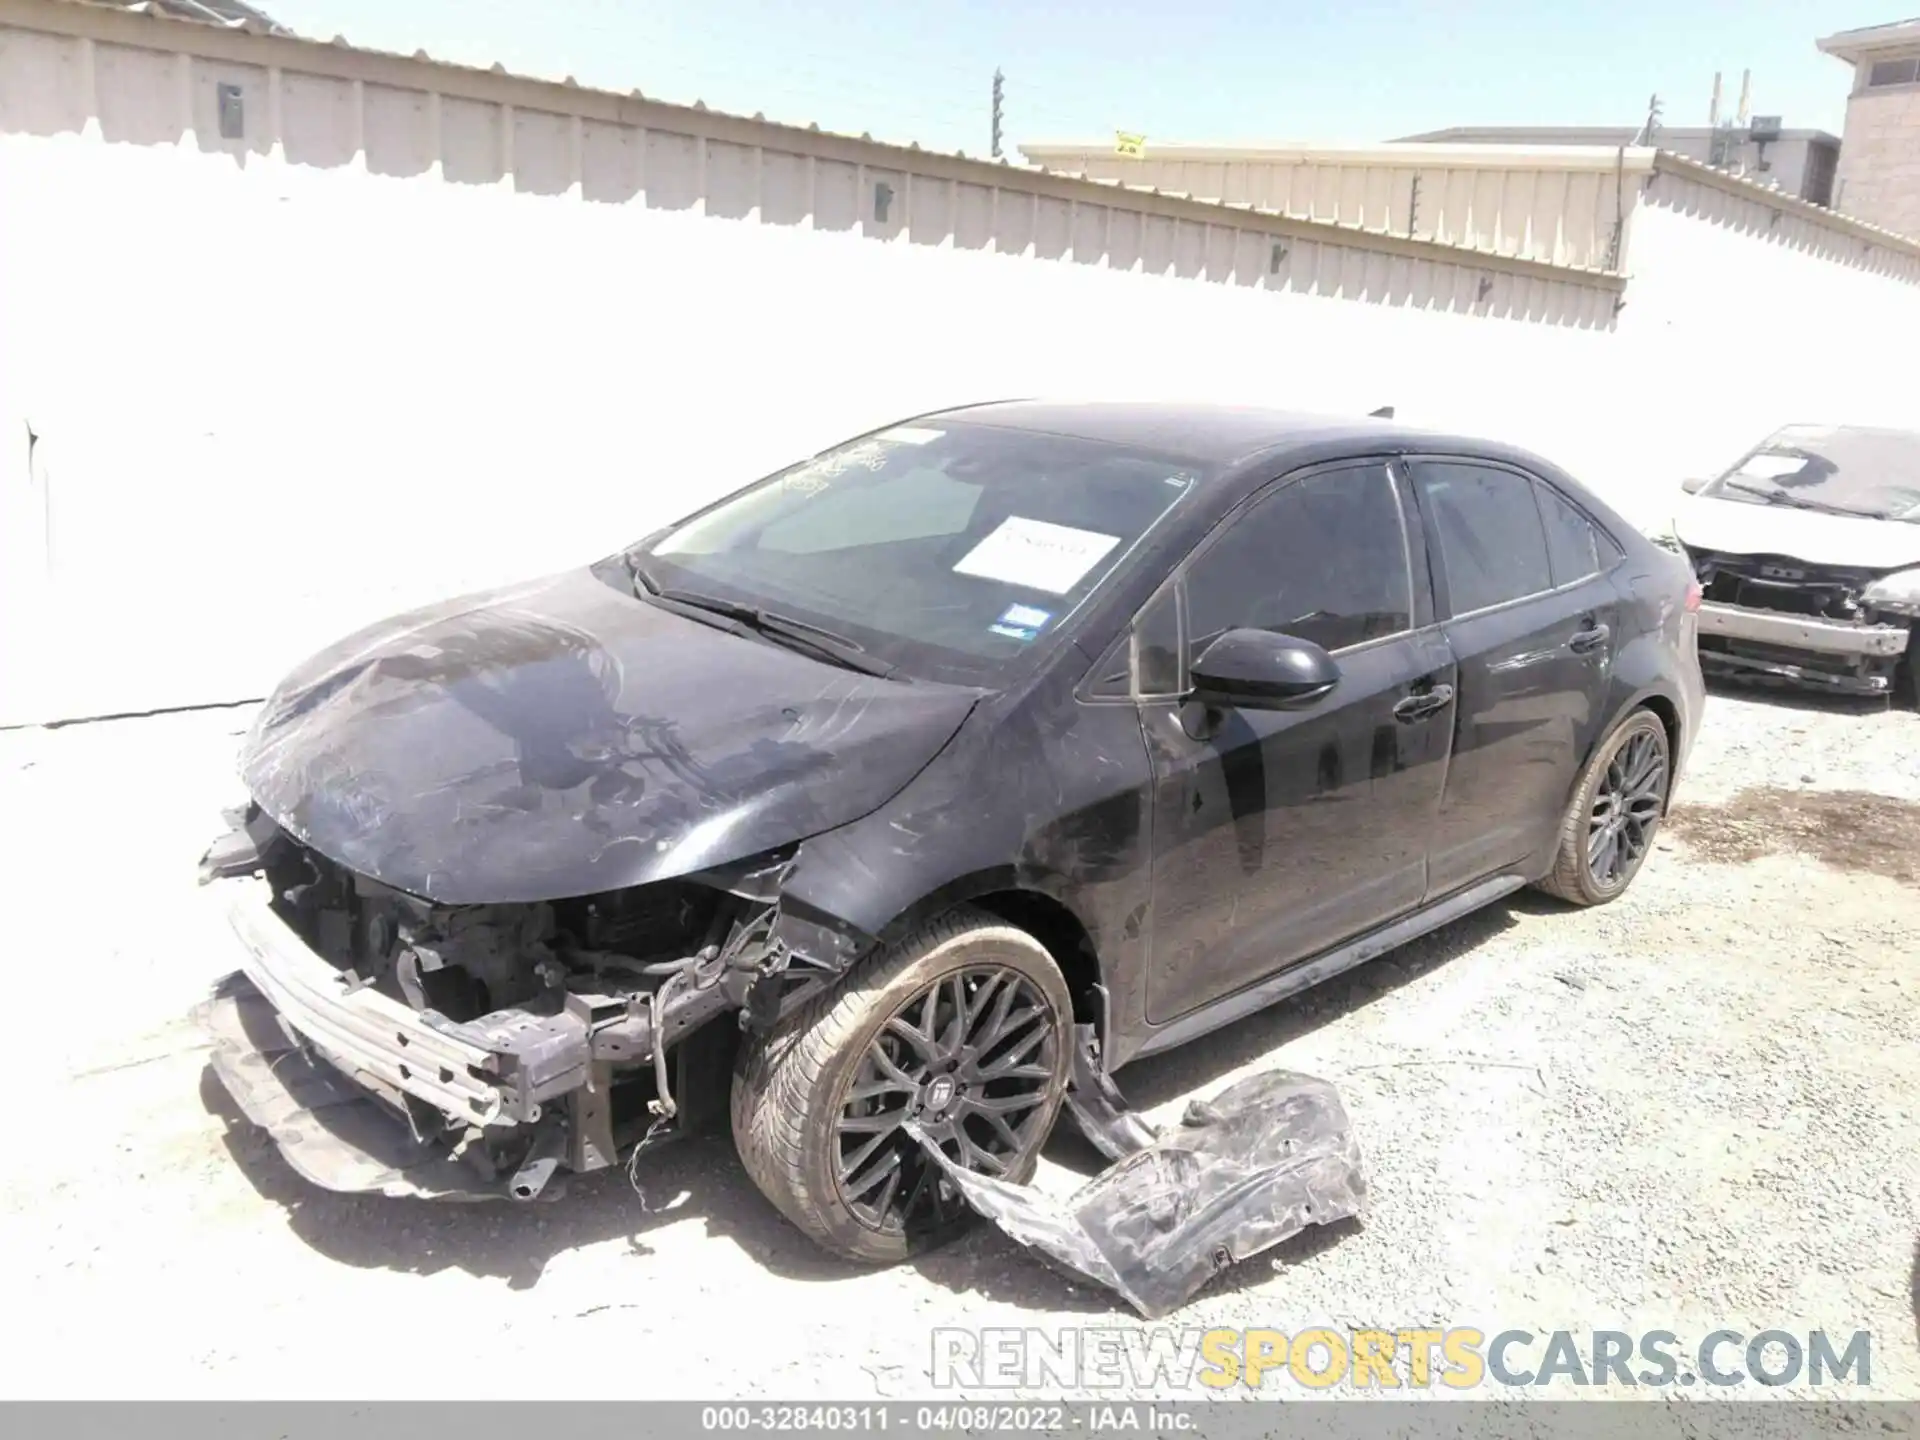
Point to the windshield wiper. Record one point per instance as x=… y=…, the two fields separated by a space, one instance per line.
x=1797 y=502
x=642 y=578
x=828 y=645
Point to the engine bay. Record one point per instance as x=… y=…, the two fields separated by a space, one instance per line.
x=1788 y=587
x=1844 y=643
x=468 y=961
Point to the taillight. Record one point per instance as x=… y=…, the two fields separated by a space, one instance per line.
x=1694 y=595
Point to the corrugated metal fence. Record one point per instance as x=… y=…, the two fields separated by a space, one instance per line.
x=149 y=80
x=1569 y=205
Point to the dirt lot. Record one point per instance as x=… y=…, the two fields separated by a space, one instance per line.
x=1693 y=1110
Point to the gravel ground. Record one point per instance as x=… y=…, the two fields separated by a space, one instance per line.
x=1692 y=1110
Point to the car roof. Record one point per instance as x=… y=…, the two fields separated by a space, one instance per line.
x=1814 y=430
x=1198 y=433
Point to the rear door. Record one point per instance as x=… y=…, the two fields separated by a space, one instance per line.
x=1532 y=622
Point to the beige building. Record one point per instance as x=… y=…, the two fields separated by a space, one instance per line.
x=1879 y=179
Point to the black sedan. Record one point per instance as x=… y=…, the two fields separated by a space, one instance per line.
x=933 y=778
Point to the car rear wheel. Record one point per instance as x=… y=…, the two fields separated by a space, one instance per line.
x=1608 y=830
x=964 y=1027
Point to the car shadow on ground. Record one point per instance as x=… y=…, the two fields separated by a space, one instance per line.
x=1785 y=697
x=991 y=1266
x=702 y=1179
x=699 y=1177
x=1913 y=1288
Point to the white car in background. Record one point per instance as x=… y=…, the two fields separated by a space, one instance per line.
x=1808 y=552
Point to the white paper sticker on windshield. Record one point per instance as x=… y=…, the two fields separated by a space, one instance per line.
x=1033 y=553
x=912 y=435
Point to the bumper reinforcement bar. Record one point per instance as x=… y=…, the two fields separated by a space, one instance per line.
x=1803 y=632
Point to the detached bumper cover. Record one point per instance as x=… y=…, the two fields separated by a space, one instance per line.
x=1803 y=632
x=333 y=1132
x=1267 y=1157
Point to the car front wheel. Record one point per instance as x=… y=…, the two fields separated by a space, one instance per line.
x=964 y=1028
x=1607 y=832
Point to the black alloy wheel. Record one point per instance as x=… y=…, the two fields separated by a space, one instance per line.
x=971 y=1059
x=1626 y=809
x=963 y=1027
x=1608 y=828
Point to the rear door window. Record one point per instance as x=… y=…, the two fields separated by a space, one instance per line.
x=1487 y=528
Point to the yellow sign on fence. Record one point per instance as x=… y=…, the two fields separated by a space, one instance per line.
x=1125 y=144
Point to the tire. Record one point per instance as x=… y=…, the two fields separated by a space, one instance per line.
x=1574 y=878
x=791 y=1087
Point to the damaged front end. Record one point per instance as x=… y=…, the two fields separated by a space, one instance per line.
x=1774 y=619
x=1267 y=1157
x=393 y=1044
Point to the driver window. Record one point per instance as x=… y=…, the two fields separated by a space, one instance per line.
x=1322 y=559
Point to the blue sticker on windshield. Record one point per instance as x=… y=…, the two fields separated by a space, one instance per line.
x=1021 y=622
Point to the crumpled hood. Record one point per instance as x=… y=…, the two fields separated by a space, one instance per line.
x=1736 y=528
x=562 y=738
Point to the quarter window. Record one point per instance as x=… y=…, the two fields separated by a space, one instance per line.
x=1322 y=559
x=1156 y=647
x=1145 y=661
x=1489 y=534
x=1572 y=550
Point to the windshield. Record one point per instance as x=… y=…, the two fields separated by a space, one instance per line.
x=947 y=549
x=1844 y=470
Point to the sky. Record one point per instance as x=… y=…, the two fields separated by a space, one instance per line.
x=1198 y=72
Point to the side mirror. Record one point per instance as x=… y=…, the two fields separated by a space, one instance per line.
x=1259 y=670
x=1695 y=485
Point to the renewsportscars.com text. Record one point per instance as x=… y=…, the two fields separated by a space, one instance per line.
x=1158 y=1358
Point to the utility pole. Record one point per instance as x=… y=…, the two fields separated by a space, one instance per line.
x=1719 y=146
x=999 y=81
x=1650 y=132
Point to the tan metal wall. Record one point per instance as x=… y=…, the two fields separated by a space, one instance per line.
x=1561 y=209
x=1562 y=205
x=147 y=80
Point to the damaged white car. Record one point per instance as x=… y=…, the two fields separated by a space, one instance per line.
x=1808 y=553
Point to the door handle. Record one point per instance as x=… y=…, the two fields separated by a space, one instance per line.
x=1592 y=638
x=1423 y=704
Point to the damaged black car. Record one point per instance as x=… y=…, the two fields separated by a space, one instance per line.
x=895 y=802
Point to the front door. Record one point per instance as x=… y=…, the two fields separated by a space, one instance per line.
x=1532 y=620
x=1278 y=834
